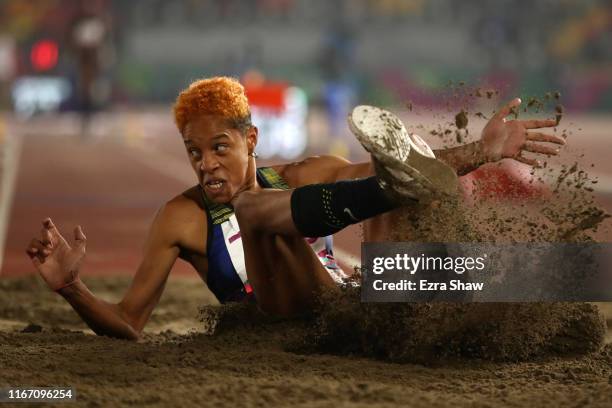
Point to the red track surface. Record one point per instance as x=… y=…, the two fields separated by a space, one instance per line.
x=111 y=185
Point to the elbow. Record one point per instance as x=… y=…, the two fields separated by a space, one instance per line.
x=247 y=211
x=135 y=336
x=132 y=334
x=120 y=327
x=131 y=325
x=124 y=333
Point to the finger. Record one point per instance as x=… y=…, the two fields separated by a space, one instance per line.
x=507 y=109
x=531 y=162
x=36 y=245
x=79 y=237
x=56 y=237
x=31 y=252
x=48 y=223
x=536 y=148
x=536 y=124
x=542 y=137
x=35 y=260
x=37 y=250
x=46 y=239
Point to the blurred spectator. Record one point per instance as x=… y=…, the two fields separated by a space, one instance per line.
x=337 y=63
x=89 y=37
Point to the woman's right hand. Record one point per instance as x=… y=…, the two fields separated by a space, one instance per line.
x=56 y=261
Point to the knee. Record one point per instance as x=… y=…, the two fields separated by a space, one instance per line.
x=286 y=307
x=247 y=209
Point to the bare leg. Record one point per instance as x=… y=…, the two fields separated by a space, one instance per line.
x=282 y=268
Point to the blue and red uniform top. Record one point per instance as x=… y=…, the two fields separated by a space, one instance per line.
x=227 y=277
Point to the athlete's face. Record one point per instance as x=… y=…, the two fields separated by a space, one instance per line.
x=220 y=156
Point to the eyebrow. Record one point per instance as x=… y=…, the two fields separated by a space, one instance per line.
x=220 y=135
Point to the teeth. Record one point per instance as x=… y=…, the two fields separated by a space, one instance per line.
x=215 y=185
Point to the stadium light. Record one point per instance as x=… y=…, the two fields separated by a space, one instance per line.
x=44 y=55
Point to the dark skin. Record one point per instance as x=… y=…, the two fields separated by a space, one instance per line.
x=220 y=157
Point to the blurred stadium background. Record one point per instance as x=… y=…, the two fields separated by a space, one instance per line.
x=86 y=132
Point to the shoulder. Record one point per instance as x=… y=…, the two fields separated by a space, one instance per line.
x=185 y=205
x=312 y=170
x=181 y=217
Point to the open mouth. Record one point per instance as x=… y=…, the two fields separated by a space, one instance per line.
x=214 y=185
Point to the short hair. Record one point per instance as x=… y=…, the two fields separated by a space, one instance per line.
x=223 y=96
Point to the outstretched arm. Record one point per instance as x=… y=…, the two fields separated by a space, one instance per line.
x=464 y=158
x=58 y=263
x=323 y=169
x=501 y=139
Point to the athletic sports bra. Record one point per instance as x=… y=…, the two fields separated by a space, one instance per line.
x=227 y=277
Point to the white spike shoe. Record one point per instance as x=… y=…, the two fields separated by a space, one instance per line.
x=405 y=165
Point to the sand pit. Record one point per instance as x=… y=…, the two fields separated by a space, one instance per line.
x=347 y=354
x=259 y=364
x=434 y=333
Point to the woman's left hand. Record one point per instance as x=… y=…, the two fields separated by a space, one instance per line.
x=502 y=138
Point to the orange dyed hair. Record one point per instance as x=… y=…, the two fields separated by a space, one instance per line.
x=221 y=96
